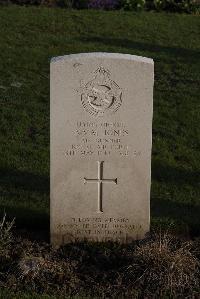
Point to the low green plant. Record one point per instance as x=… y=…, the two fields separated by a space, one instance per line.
x=6 y=241
x=6 y=236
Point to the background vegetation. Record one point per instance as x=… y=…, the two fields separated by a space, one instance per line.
x=186 y=6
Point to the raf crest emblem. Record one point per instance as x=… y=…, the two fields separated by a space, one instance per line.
x=101 y=96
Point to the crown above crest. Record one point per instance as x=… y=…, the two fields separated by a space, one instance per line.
x=102 y=71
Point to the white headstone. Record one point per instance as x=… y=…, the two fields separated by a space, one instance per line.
x=101 y=136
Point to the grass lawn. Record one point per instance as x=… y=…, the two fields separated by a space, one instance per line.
x=29 y=37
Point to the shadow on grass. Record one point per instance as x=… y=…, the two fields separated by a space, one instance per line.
x=180 y=212
x=29 y=222
x=178 y=176
x=24 y=180
x=28 y=216
x=184 y=215
x=186 y=54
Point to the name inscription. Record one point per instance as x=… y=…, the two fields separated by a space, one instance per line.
x=101 y=139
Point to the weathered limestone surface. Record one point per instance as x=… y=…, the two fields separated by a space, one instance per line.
x=101 y=136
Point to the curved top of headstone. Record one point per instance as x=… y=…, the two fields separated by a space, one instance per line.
x=103 y=55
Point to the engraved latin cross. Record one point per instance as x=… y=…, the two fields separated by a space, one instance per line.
x=100 y=182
